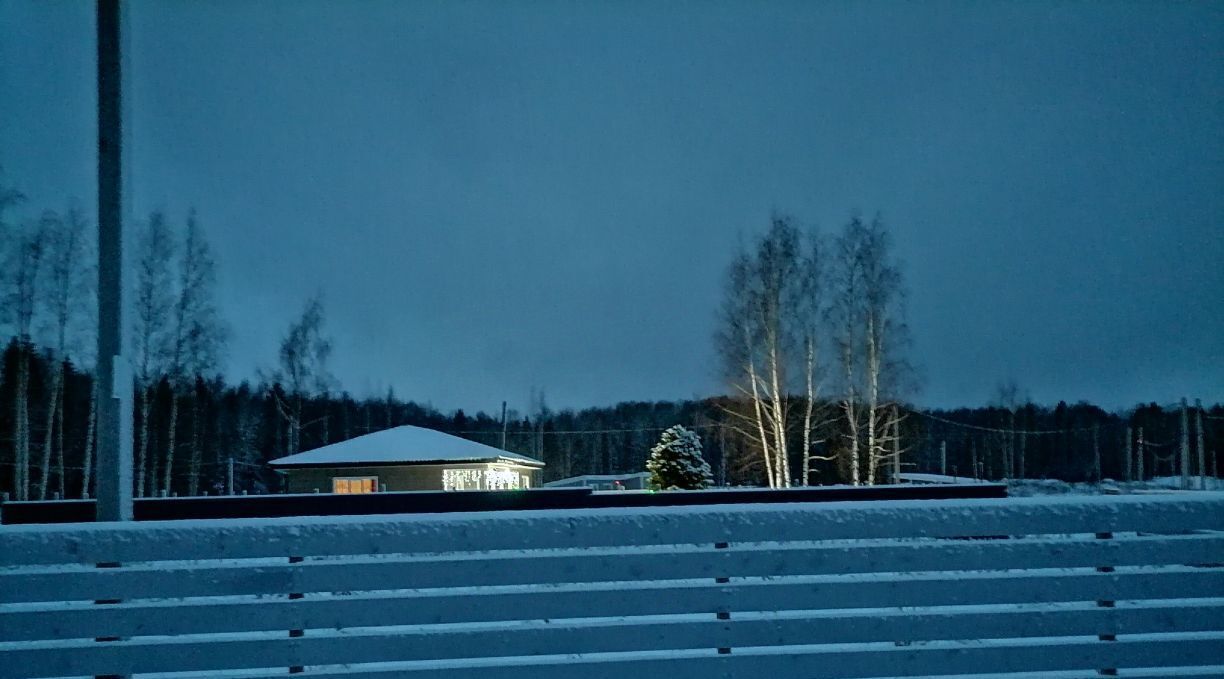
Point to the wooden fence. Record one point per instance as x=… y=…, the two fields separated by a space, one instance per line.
x=1130 y=585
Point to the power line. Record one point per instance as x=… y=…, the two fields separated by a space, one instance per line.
x=589 y=431
x=1028 y=432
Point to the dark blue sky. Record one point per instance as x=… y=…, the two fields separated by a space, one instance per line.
x=495 y=196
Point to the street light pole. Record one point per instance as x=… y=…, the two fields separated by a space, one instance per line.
x=114 y=469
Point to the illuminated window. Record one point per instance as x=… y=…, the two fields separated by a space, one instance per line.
x=355 y=484
x=482 y=479
x=460 y=479
x=501 y=479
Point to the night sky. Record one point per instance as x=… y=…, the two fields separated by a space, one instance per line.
x=499 y=196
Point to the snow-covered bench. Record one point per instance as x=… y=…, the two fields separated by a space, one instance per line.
x=870 y=589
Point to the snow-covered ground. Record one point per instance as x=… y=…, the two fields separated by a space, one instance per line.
x=1034 y=487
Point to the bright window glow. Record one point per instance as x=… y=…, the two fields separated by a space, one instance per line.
x=501 y=479
x=355 y=484
x=483 y=479
x=460 y=479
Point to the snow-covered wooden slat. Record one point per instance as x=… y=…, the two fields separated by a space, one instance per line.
x=1030 y=603
x=445 y=606
x=602 y=635
x=436 y=533
x=827 y=663
x=602 y=565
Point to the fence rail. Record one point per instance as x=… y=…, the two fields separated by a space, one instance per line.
x=848 y=589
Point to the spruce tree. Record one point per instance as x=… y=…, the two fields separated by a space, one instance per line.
x=676 y=462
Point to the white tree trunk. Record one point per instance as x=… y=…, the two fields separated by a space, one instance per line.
x=44 y=465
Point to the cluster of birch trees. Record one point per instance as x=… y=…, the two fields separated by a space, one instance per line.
x=812 y=338
x=47 y=280
x=178 y=339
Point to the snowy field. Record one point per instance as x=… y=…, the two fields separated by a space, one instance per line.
x=1038 y=487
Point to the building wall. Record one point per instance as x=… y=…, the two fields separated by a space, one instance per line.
x=396 y=478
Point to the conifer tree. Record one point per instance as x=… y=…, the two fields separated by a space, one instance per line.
x=676 y=462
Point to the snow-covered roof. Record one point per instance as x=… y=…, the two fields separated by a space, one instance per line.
x=402 y=445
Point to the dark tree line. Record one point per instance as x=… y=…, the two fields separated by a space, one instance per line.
x=799 y=308
x=243 y=422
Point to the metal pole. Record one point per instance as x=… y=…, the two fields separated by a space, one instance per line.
x=1128 y=454
x=1096 y=452
x=1139 y=456
x=1202 y=457
x=503 y=440
x=1185 y=447
x=114 y=470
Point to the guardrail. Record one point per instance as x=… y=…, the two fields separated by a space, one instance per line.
x=848 y=589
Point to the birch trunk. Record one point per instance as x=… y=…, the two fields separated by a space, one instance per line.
x=142 y=438
x=44 y=464
x=810 y=393
x=193 y=474
x=171 y=442
x=777 y=408
x=873 y=398
x=91 y=423
x=61 y=474
x=760 y=420
x=21 y=415
x=851 y=416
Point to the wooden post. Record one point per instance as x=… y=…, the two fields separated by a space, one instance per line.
x=722 y=614
x=295 y=633
x=1109 y=671
x=229 y=476
x=104 y=602
x=943 y=458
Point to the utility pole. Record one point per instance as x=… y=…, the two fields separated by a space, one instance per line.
x=1202 y=456
x=503 y=443
x=114 y=470
x=1096 y=452
x=1127 y=462
x=1185 y=447
x=1139 y=455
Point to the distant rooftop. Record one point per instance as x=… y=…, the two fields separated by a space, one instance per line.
x=402 y=445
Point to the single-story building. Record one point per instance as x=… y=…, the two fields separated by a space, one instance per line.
x=636 y=481
x=407 y=458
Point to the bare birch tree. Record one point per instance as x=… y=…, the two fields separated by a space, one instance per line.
x=871 y=335
x=68 y=286
x=198 y=338
x=846 y=313
x=304 y=352
x=811 y=317
x=763 y=342
x=153 y=302
x=24 y=260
